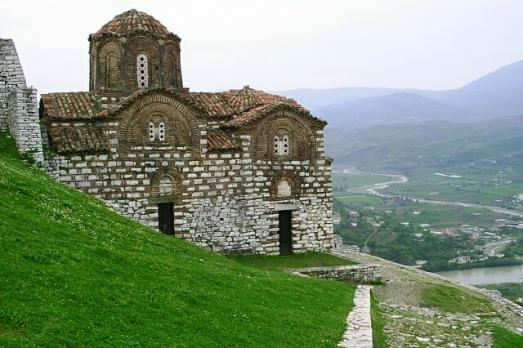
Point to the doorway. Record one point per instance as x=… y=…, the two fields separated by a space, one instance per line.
x=166 y=218
x=285 y=224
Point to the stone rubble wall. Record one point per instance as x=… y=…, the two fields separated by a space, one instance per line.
x=223 y=200
x=18 y=104
x=23 y=122
x=11 y=77
x=355 y=273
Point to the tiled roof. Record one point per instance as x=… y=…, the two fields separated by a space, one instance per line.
x=73 y=139
x=219 y=140
x=213 y=104
x=131 y=21
x=221 y=105
x=238 y=108
x=236 y=103
x=70 y=106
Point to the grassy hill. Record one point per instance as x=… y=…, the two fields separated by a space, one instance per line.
x=73 y=273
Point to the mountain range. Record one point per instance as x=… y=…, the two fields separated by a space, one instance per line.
x=497 y=94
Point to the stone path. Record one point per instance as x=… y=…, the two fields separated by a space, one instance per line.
x=359 y=329
x=407 y=323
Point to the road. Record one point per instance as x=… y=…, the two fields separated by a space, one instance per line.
x=493 y=248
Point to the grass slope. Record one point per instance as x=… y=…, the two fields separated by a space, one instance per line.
x=504 y=338
x=76 y=274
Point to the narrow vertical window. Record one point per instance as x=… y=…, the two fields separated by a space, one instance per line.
x=142 y=72
x=285 y=145
x=151 y=131
x=161 y=132
x=276 y=145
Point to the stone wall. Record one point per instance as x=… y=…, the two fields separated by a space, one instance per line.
x=222 y=200
x=11 y=77
x=18 y=104
x=355 y=273
x=23 y=122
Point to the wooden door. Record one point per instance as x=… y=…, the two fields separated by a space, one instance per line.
x=285 y=218
x=166 y=218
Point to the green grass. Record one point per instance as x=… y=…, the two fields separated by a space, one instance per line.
x=312 y=259
x=475 y=186
x=359 y=199
x=73 y=273
x=438 y=216
x=451 y=299
x=378 y=335
x=512 y=291
x=504 y=338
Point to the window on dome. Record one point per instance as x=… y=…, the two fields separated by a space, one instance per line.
x=142 y=72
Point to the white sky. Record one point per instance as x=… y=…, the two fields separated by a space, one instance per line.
x=283 y=44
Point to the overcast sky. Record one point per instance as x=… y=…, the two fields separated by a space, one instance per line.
x=283 y=44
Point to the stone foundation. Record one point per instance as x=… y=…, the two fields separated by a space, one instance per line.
x=359 y=274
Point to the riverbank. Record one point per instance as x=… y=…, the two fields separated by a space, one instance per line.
x=486 y=275
x=492 y=262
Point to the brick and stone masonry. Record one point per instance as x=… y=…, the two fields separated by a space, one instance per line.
x=240 y=171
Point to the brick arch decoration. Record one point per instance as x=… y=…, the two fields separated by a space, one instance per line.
x=302 y=141
x=109 y=62
x=157 y=189
x=150 y=47
x=181 y=124
x=291 y=177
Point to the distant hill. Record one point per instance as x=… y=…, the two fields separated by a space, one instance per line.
x=435 y=144
x=387 y=109
x=496 y=94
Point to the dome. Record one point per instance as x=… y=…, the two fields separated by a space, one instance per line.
x=132 y=21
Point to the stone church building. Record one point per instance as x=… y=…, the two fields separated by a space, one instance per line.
x=241 y=171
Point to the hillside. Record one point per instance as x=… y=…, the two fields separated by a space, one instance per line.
x=76 y=274
x=497 y=94
x=388 y=109
x=440 y=145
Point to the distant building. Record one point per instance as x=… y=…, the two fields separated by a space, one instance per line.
x=460 y=260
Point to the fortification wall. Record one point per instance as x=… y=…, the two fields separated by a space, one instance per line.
x=18 y=103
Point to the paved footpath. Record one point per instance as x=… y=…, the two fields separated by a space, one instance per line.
x=359 y=330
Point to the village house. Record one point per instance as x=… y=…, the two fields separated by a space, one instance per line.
x=241 y=171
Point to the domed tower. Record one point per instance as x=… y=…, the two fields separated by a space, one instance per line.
x=133 y=51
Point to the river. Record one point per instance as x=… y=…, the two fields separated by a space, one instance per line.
x=486 y=275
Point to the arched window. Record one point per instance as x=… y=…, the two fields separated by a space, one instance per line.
x=112 y=71
x=170 y=71
x=142 y=71
x=281 y=145
x=156 y=131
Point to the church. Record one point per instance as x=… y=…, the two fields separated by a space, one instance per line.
x=240 y=171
